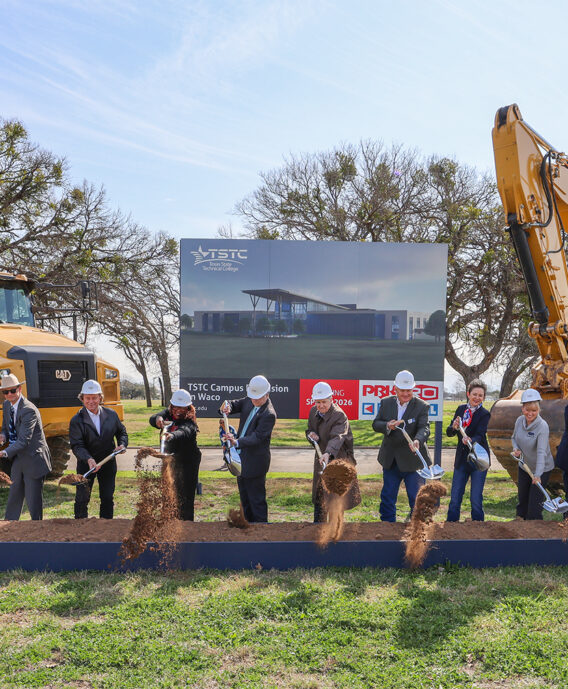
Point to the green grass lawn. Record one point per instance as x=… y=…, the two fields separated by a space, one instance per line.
x=287 y=433
x=445 y=628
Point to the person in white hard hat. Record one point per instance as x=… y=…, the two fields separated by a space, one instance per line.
x=474 y=419
x=26 y=449
x=396 y=456
x=181 y=443
x=329 y=427
x=531 y=440
x=257 y=419
x=94 y=433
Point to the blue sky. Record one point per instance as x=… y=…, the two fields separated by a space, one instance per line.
x=176 y=106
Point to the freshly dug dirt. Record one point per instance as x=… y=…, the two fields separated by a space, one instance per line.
x=115 y=530
x=156 y=525
x=5 y=479
x=237 y=519
x=338 y=476
x=70 y=479
x=418 y=538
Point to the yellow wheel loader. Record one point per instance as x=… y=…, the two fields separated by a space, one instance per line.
x=53 y=366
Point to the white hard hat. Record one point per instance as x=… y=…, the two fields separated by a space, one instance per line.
x=91 y=387
x=257 y=387
x=404 y=380
x=181 y=398
x=321 y=391
x=530 y=395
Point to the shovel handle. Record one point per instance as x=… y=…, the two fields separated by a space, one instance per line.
x=318 y=452
x=464 y=434
x=103 y=461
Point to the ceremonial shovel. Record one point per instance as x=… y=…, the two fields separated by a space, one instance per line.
x=556 y=505
x=477 y=453
x=318 y=453
x=427 y=472
x=230 y=454
x=97 y=466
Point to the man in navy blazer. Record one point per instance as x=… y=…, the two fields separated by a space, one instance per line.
x=398 y=459
x=27 y=450
x=257 y=419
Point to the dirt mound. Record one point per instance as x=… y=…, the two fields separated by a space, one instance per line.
x=338 y=476
x=4 y=478
x=156 y=523
x=71 y=479
x=237 y=519
x=421 y=524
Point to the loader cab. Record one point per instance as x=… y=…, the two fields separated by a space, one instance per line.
x=15 y=300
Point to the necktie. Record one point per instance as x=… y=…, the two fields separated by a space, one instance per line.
x=247 y=422
x=12 y=435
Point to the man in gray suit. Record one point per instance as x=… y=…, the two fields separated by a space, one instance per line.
x=397 y=457
x=27 y=450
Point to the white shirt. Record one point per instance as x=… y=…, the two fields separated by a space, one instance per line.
x=401 y=409
x=96 y=419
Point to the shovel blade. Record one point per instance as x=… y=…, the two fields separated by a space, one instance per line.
x=560 y=506
x=433 y=473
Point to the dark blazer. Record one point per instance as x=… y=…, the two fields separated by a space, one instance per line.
x=183 y=443
x=86 y=442
x=255 y=445
x=30 y=449
x=394 y=445
x=477 y=431
x=562 y=452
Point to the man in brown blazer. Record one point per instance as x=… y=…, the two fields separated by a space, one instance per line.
x=27 y=450
x=329 y=427
x=396 y=456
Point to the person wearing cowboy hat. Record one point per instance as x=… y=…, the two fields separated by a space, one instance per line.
x=257 y=419
x=396 y=456
x=27 y=450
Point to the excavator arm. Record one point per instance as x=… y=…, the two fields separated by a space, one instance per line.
x=532 y=177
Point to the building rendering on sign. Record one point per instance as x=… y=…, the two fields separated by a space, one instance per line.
x=278 y=311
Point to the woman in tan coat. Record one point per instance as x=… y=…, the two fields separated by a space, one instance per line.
x=328 y=426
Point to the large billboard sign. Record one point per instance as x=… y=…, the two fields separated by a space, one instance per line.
x=349 y=313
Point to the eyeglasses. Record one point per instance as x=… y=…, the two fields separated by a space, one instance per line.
x=10 y=392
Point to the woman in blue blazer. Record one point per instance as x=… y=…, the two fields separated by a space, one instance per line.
x=474 y=419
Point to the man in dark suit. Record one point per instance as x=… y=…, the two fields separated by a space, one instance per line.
x=398 y=457
x=257 y=419
x=27 y=450
x=92 y=432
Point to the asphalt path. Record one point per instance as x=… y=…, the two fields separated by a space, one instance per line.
x=297 y=459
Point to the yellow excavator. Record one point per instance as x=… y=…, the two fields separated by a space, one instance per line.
x=532 y=177
x=53 y=366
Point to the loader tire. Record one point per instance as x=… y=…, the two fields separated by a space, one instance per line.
x=60 y=454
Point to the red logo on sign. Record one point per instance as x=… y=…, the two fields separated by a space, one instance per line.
x=345 y=395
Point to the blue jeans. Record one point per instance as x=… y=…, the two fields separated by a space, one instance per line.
x=462 y=472
x=392 y=479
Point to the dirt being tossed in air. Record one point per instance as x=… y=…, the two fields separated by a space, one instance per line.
x=336 y=479
x=421 y=525
x=237 y=519
x=4 y=478
x=338 y=476
x=71 y=479
x=156 y=524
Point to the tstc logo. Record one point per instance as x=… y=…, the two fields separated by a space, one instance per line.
x=228 y=255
